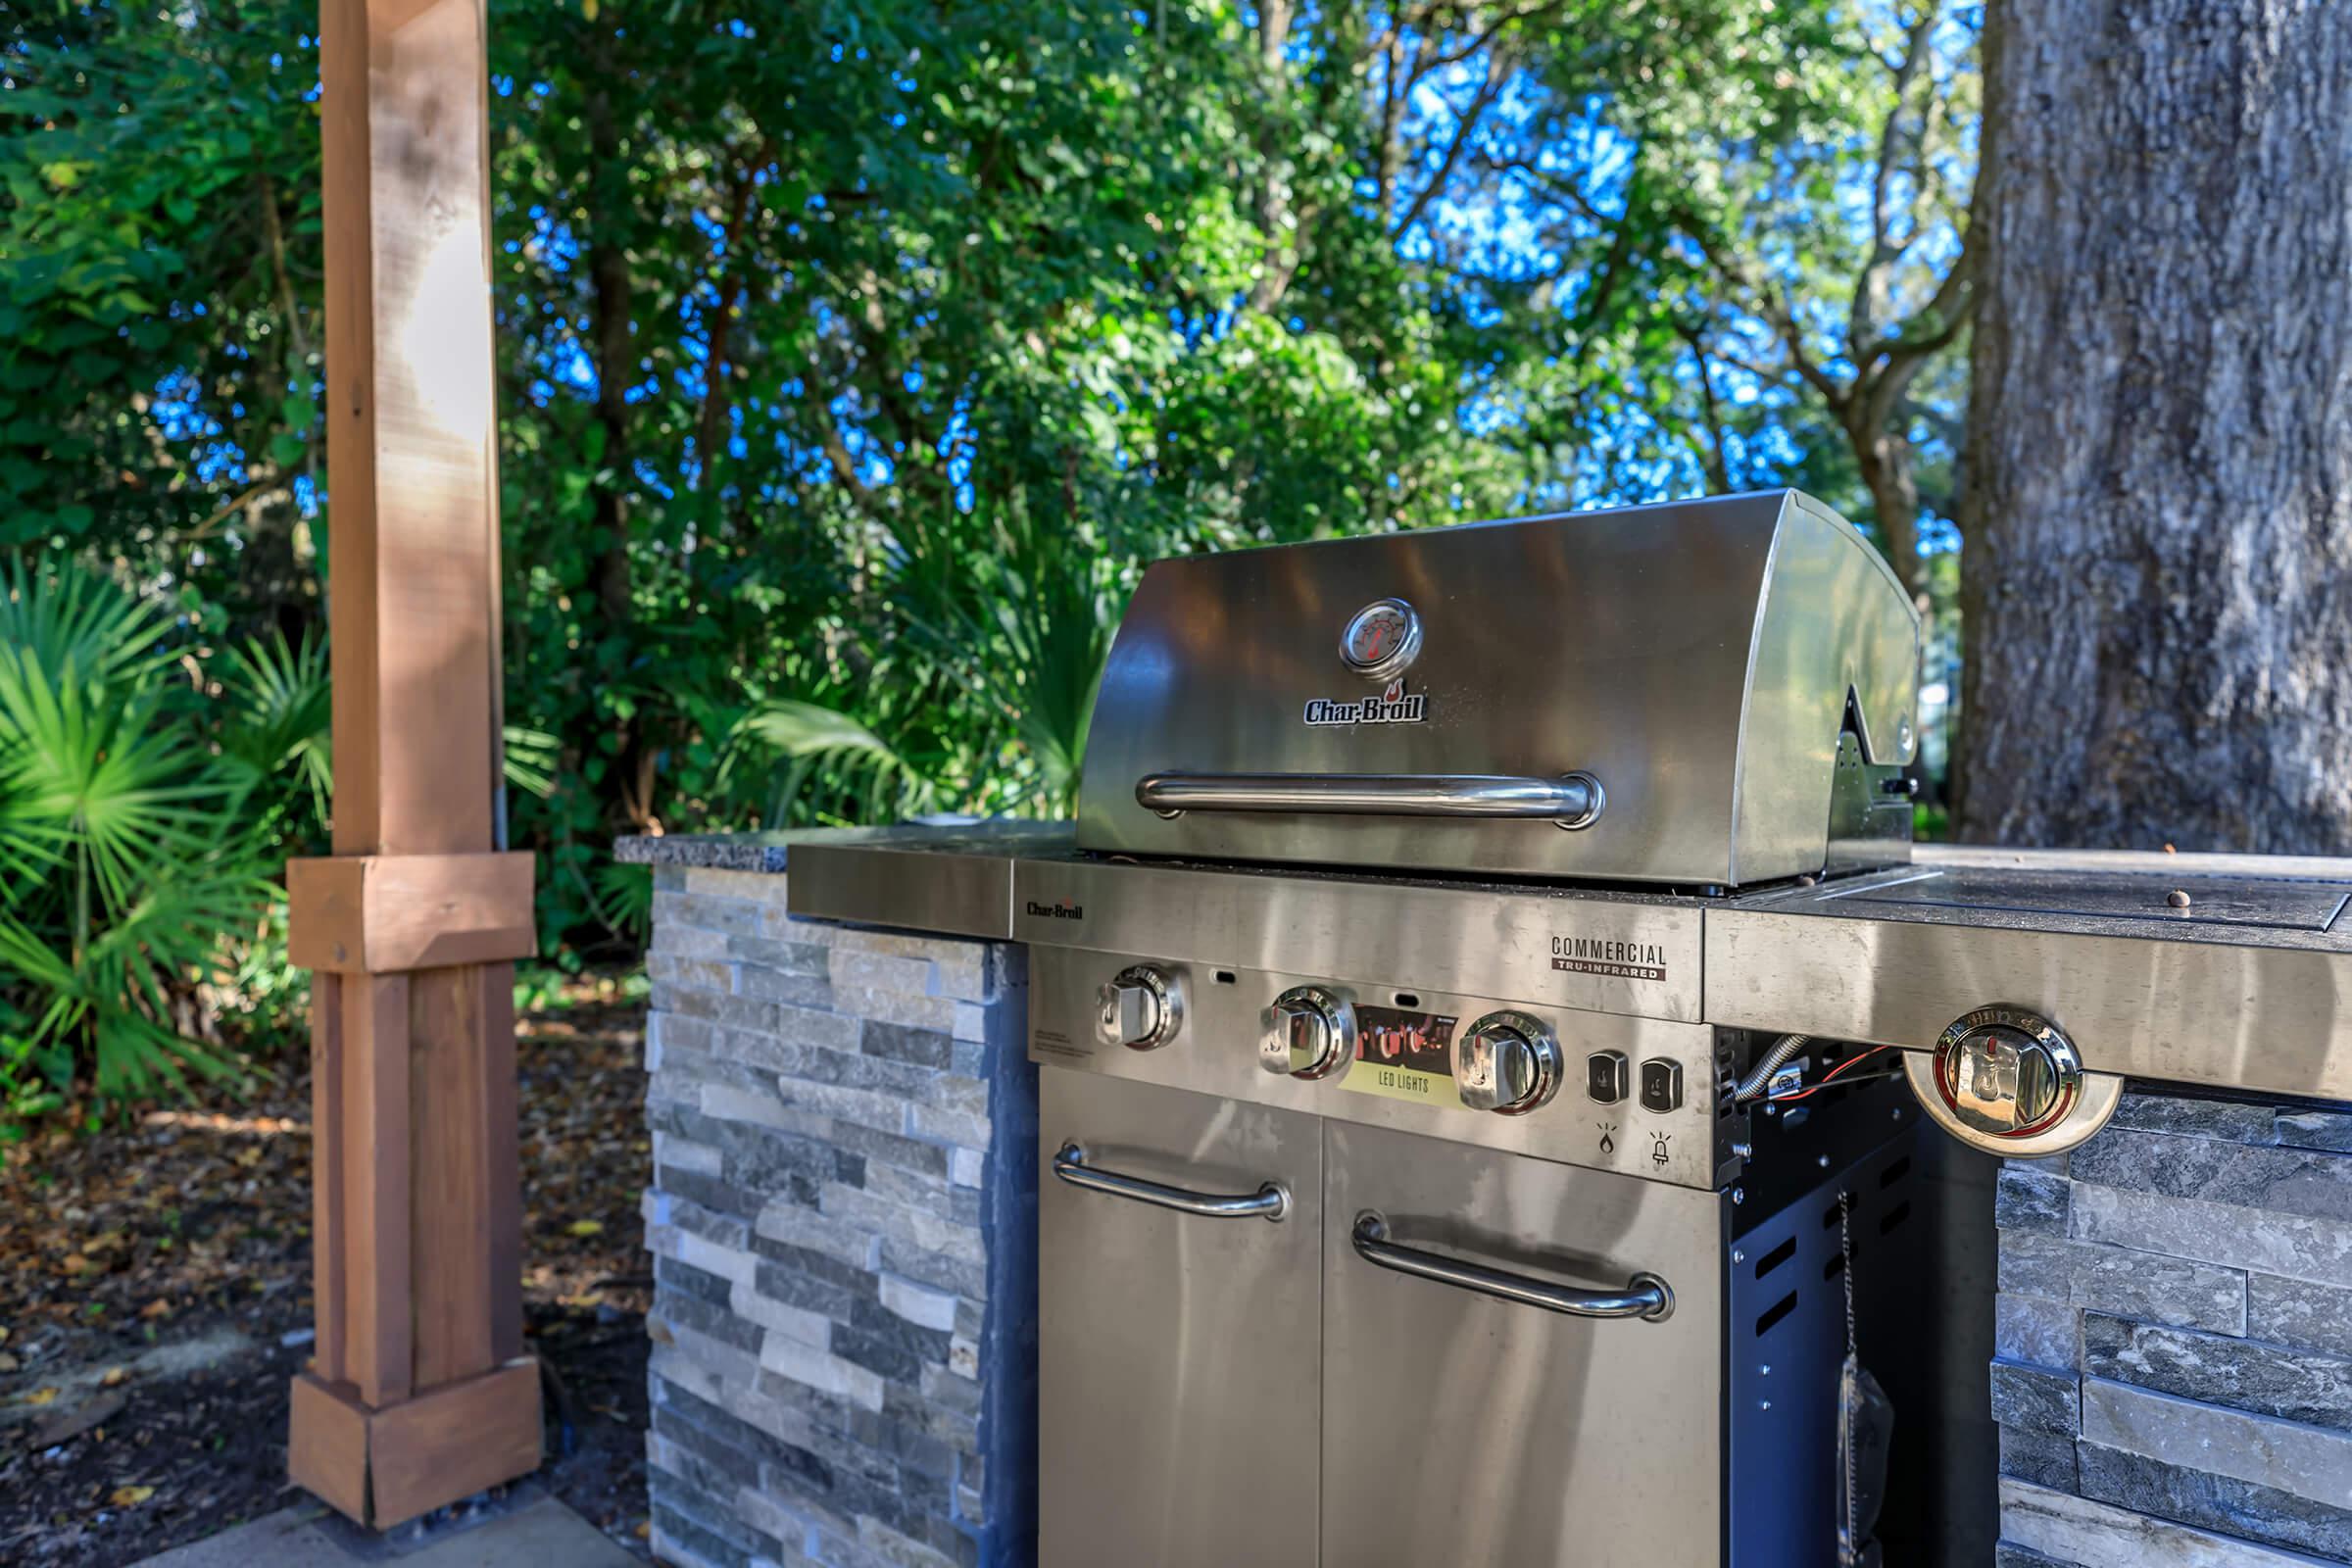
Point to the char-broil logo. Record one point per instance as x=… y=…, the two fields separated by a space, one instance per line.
x=1396 y=706
x=1624 y=960
x=1058 y=909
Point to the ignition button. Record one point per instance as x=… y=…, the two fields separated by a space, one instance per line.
x=1605 y=1076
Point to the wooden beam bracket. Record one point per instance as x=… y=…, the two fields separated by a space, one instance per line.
x=386 y=1464
x=393 y=914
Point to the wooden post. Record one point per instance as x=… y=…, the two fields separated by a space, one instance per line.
x=419 y=1392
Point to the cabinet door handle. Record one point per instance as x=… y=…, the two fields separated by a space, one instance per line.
x=1270 y=1202
x=1646 y=1295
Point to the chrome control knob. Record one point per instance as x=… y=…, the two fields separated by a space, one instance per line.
x=1309 y=1033
x=1507 y=1062
x=1140 y=1008
x=2009 y=1081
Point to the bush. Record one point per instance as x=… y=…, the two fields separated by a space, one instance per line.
x=149 y=793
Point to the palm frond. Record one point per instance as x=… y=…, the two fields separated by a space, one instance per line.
x=532 y=756
x=624 y=898
x=76 y=619
x=279 y=705
x=126 y=857
x=824 y=744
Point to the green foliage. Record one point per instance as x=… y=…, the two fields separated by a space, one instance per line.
x=141 y=813
x=158 y=237
x=855 y=354
x=280 y=709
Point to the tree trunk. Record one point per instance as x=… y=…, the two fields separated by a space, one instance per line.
x=2158 y=512
x=628 y=786
x=609 y=314
x=1885 y=460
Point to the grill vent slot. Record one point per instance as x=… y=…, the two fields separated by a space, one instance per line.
x=1895 y=1216
x=1774 y=1313
x=1894 y=1173
x=1776 y=1258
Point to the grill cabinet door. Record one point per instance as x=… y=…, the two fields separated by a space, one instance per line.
x=1463 y=1429
x=1178 y=1359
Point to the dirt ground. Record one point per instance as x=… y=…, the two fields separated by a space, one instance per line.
x=155 y=1301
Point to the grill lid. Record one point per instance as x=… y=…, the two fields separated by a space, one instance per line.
x=1669 y=683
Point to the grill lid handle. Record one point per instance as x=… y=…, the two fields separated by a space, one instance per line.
x=1571 y=801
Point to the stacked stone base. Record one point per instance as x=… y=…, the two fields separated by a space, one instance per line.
x=843 y=1182
x=2174 y=1337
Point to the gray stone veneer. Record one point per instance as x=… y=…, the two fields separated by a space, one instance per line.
x=844 y=1188
x=2174 y=1332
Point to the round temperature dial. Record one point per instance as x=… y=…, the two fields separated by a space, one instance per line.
x=1382 y=639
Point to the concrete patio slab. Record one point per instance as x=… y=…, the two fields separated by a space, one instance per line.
x=310 y=1535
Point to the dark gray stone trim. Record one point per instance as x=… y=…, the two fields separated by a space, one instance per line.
x=709 y=852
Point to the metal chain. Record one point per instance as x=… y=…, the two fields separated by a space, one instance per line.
x=1846 y=1249
x=1853 y=1544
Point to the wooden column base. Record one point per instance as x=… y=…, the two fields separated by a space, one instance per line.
x=383 y=1466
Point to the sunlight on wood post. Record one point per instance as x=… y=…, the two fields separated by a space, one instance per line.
x=418 y=1392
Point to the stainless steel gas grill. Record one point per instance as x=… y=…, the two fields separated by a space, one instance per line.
x=1399 y=1218
x=1461 y=1011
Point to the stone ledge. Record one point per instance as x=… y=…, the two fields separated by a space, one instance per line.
x=727 y=852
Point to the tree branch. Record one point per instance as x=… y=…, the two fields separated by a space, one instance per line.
x=837 y=450
x=1871 y=285
x=237 y=502
x=1947 y=311
x=1712 y=454
x=1770 y=307
x=1469 y=118
x=1479 y=40
x=717 y=362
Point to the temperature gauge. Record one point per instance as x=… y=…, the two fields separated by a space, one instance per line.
x=1382 y=639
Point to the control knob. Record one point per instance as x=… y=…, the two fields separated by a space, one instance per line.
x=2009 y=1081
x=1507 y=1062
x=1309 y=1033
x=1140 y=1008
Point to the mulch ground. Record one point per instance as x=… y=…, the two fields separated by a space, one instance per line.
x=155 y=1301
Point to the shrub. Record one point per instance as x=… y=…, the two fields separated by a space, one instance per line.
x=148 y=795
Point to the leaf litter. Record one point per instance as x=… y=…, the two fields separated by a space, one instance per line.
x=155 y=1301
